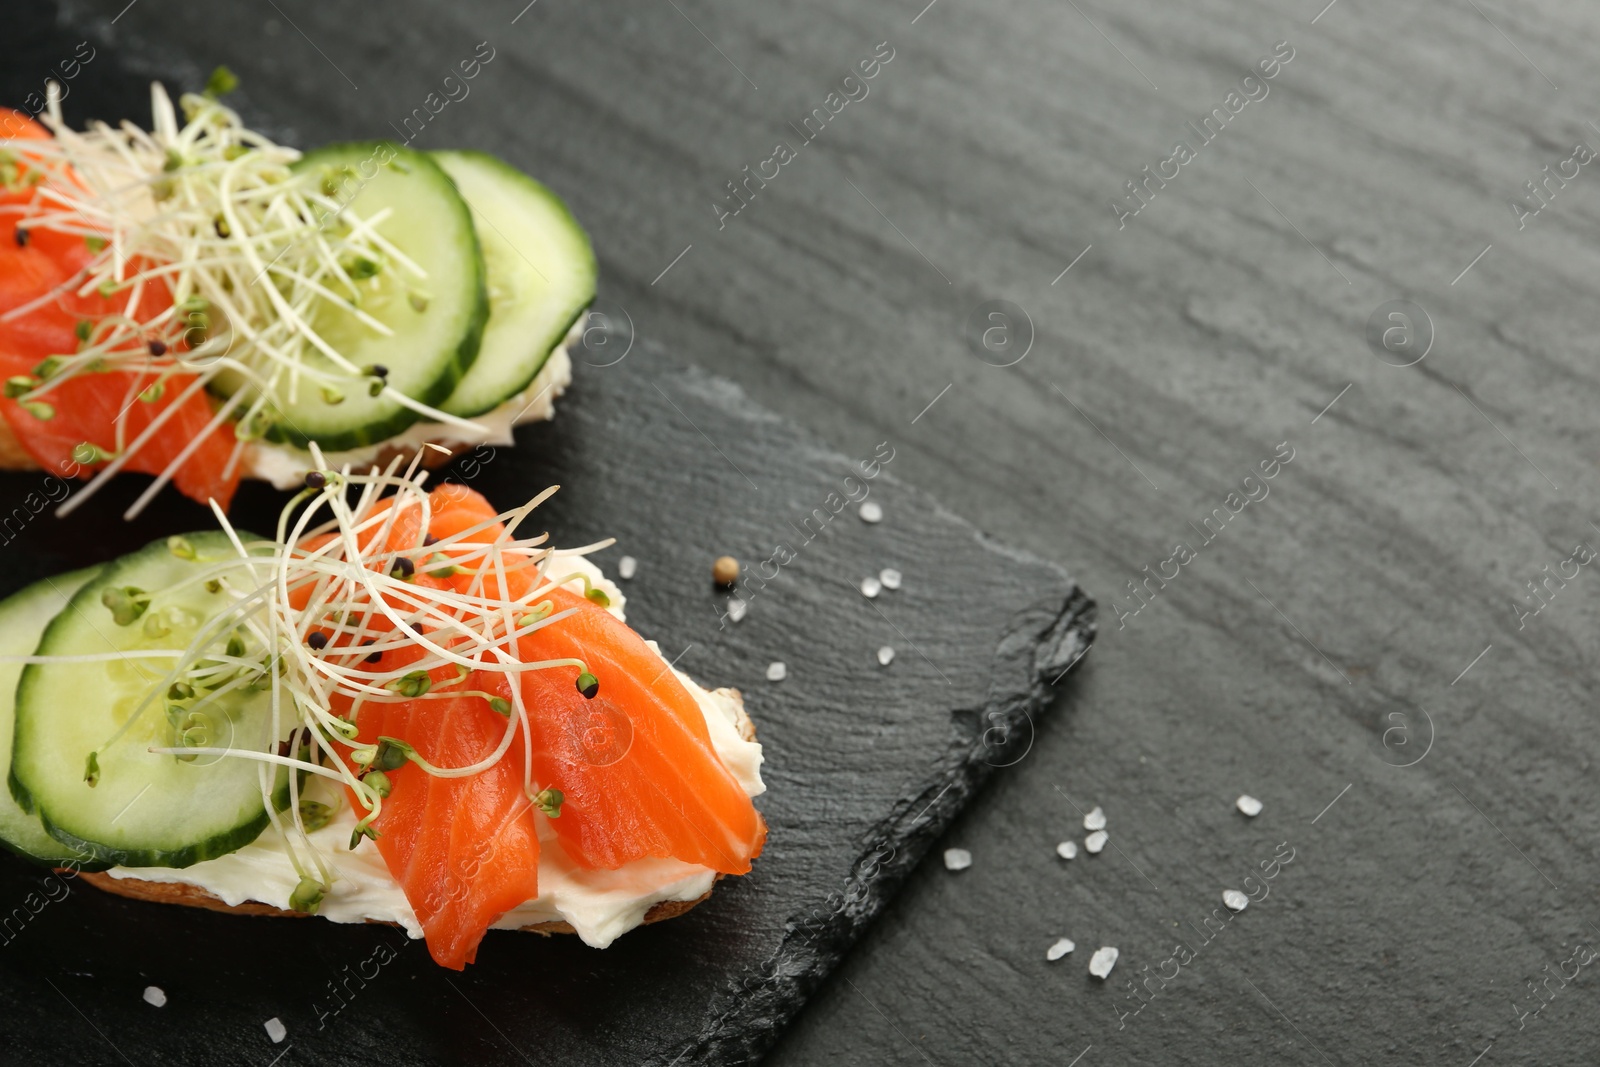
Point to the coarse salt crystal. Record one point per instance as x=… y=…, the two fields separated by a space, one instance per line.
x=890 y=578
x=1249 y=805
x=870 y=587
x=1095 y=820
x=1235 y=900
x=870 y=512
x=1059 y=949
x=1102 y=961
x=627 y=567
x=275 y=1029
x=736 y=608
x=1067 y=850
x=957 y=859
x=1096 y=841
x=777 y=671
x=155 y=995
x=885 y=655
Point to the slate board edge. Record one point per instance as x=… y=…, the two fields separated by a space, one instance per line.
x=1041 y=644
x=752 y=1010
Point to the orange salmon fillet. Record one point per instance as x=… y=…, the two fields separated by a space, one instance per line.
x=636 y=764
x=87 y=406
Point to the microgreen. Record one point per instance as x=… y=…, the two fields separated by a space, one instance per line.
x=549 y=801
x=411 y=684
x=221 y=82
x=307 y=896
x=314 y=815
x=126 y=604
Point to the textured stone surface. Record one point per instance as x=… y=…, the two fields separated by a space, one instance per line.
x=1193 y=340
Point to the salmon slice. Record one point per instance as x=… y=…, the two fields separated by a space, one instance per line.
x=20 y=126
x=86 y=408
x=636 y=763
x=464 y=850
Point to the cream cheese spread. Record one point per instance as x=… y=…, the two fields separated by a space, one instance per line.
x=285 y=467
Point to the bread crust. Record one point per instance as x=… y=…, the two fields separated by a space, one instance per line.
x=12 y=455
x=192 y=896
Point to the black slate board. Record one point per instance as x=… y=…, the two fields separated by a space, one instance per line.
x=865 y=764
x=1399 y=545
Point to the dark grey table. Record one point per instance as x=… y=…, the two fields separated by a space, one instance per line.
x=1358 y=647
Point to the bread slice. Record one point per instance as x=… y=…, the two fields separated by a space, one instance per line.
x=193 y=896
x=12 y=455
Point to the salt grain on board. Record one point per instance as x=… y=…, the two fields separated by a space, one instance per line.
x=871 y=587
x=777 y=671
x=155 y=995
x=870 y=512
x=1096 y=841
x=957 y=859
x=885 y=656
x=1067 y=850
x=627 y=567
x=889 y=577
x=736 y=609
x=1249 y=805
x=1102 y=961
x=1235 y=900
x=1059 y=949
x=275 y=1029
x=1095 y=820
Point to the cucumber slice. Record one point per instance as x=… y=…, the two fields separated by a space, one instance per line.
x=437 y=321
x=23 y=617
x=541 y=276
x=145 y=810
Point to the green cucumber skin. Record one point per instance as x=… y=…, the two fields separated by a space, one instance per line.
x=19 y=792
x=565 y=329
x=61 y=587
x=522 y=385
x=102 y=857
x=99 y=853
x=484 y=410
x=588 y=264
x=209 y=849
x=376 y=432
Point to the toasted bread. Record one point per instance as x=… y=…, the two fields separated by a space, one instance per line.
x=194 y=897
x=12 y=455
